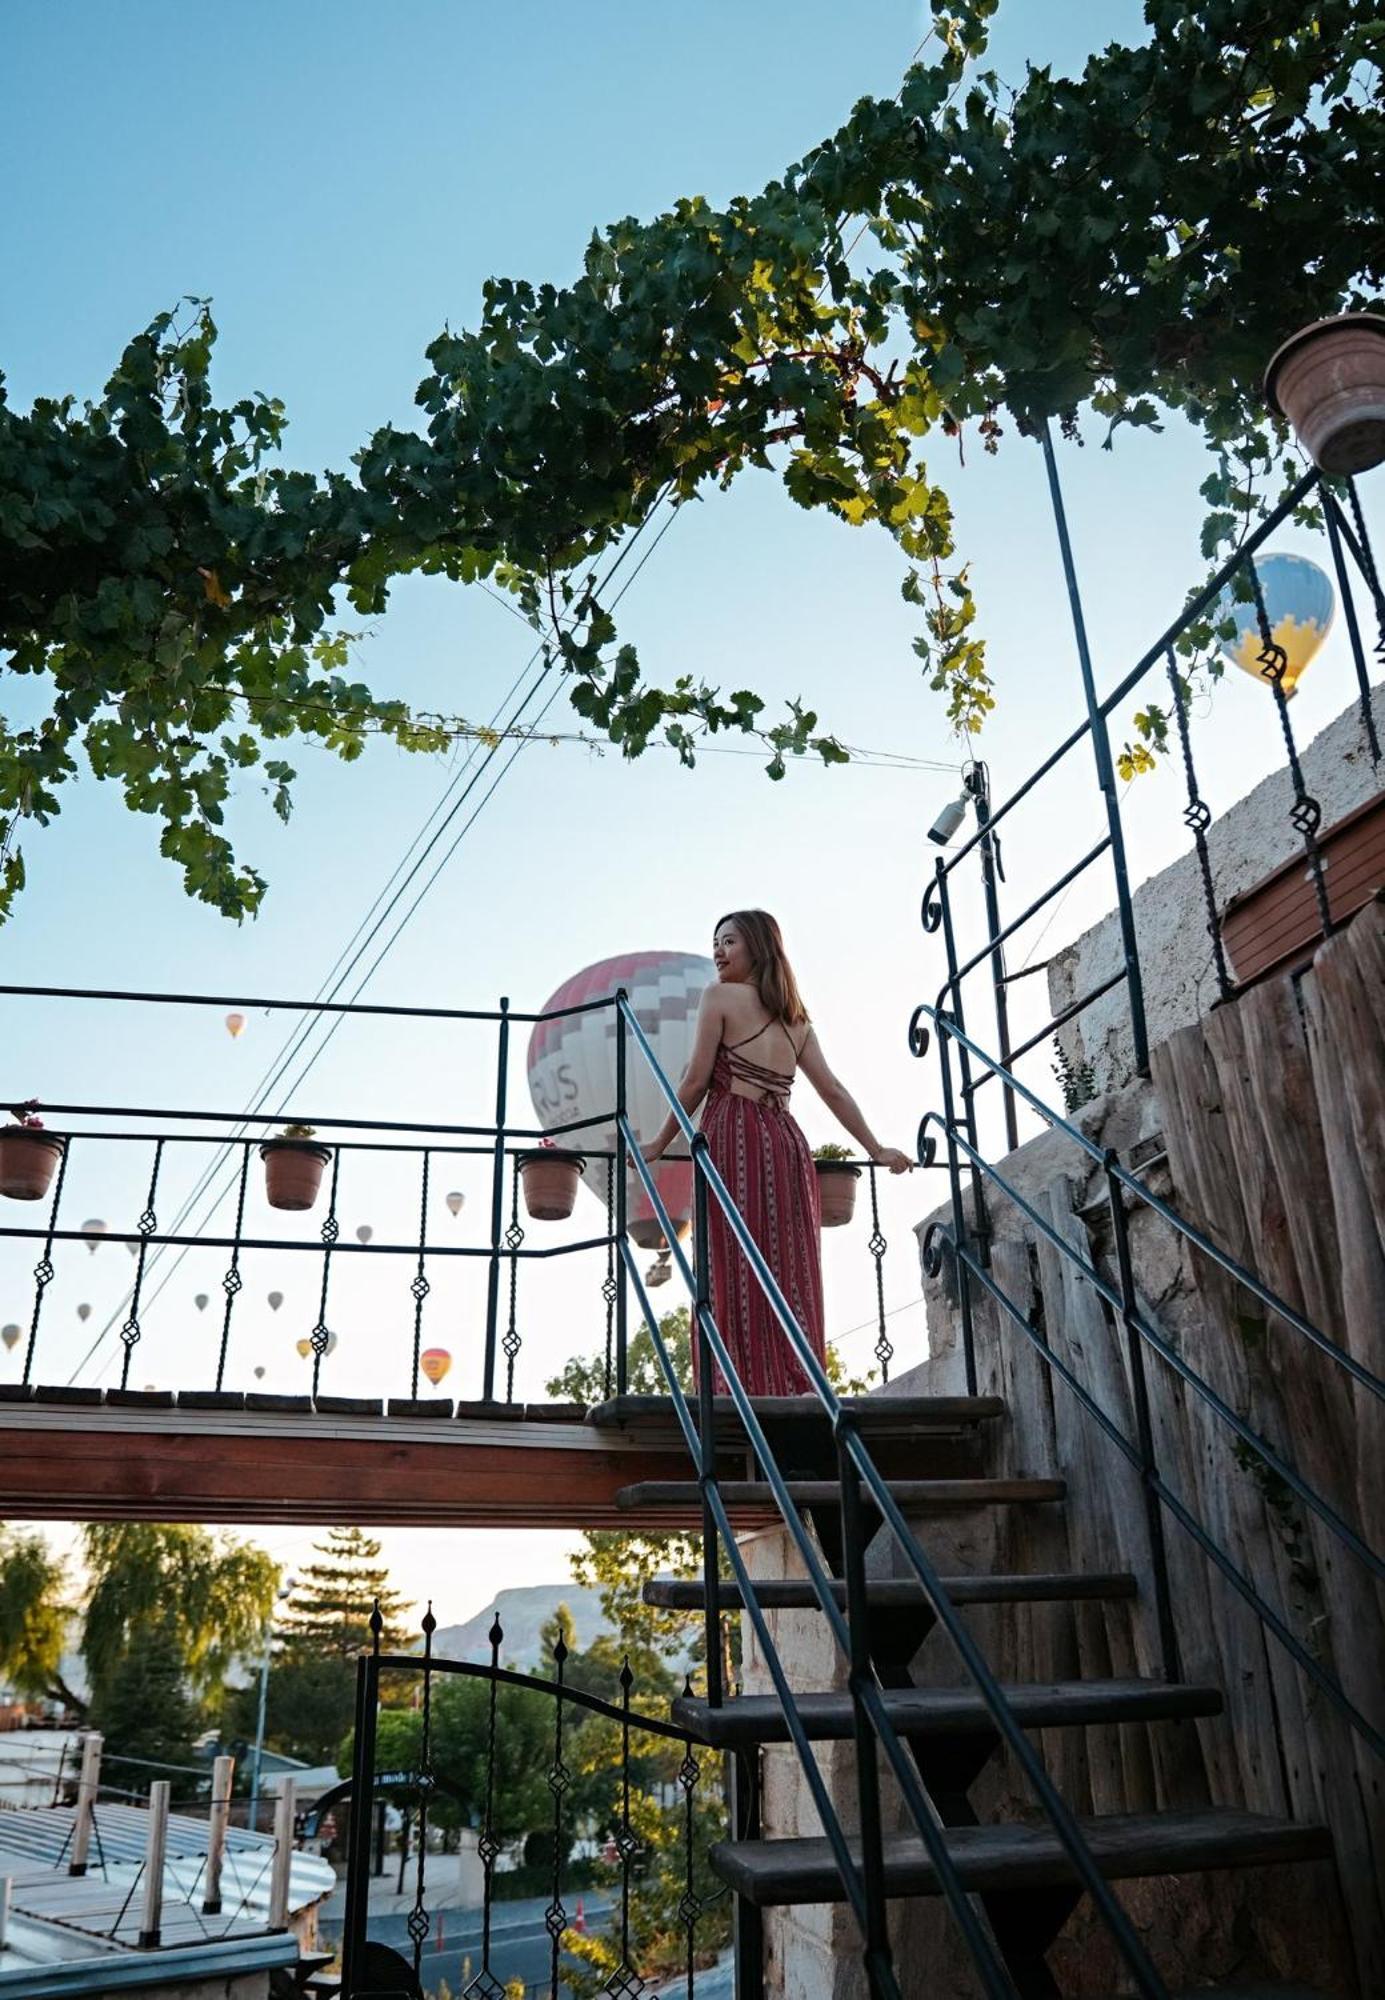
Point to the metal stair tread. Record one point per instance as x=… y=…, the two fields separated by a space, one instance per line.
x=1014 y=1857
x=948 y=1711
x=908 y=1493
x=676 y=1593
x=873 y=1414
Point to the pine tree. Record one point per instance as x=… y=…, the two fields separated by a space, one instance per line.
x=328 y=1615
x=145 y=1710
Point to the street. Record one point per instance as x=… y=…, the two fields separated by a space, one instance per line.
x=520 y=1945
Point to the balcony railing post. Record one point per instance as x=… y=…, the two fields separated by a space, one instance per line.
x=497 y=1202
x=155 y=1853
x=43 y=1270
x=358 y=1834
x=959 y=1216
x=88 y=1784
x=861 y=1674
x=281 y=1869
x=1105 y=768
x=978 y=784
x=748 y=1923
x=706 y=1421
x=622 y=1197
x=1306 y=814
x=1144 y=1429
x=1333 y=517
x=223 y=1770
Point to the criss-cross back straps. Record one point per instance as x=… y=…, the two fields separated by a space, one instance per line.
x=771 y=1082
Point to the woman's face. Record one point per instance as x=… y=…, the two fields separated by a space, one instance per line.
x=730 y=954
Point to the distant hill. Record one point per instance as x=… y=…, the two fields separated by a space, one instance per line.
x=523 y=1615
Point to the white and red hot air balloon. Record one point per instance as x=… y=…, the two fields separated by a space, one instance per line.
x=572 y=1069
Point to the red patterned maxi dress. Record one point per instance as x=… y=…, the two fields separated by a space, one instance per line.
x=764 y=1159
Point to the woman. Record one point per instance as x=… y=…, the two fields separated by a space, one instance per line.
x=753 y=1036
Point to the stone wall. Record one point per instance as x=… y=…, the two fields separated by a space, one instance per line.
x=1247 y=843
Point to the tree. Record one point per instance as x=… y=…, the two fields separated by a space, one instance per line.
x=1130 y=242
x=144 y=1710
x=33 y=1618
x=328 y=1614
x=309 y=1704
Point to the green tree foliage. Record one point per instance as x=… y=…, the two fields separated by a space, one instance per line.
x=33 y=1617
x=328 y=1614
x=1126 y=242
x=144 y=1709
x=309 y=1706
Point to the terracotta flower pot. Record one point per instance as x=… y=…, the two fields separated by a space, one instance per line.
x=28 y=1161
x=1329 y=381
x=550 y=1179
x=293 y=1171
x=836 y=1191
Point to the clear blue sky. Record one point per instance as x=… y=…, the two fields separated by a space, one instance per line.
x=340 y=179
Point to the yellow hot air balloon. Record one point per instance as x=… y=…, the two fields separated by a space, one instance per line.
x=364 y=1233
x=234 y=1024
x=92 y=1232
x=455 y=1200
x=305 y=1347
x=435 y=1362
x=9 y=1334
x=1299 y=604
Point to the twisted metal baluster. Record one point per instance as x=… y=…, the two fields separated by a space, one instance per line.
x=877 y=1246
x=610 y=1288
x=625 y=1983
x=420 y=1287
x=148 y=1223
x=1197 y=817
x=514 y=1236
x=331 y=1230
x=1368 y=568
x=690 y=1903
x=232 y=1282
x=43 y=1270
x=1306 y=816
x=485 y=1986
x=419 y=1922
x=559 y=1780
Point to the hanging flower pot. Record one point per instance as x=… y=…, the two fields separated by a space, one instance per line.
x=550 y=1178
x=837 y=1180
x=293 y=1167
x=29 y=1159
x=1328 y=379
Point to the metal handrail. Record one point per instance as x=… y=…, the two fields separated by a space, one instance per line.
x=865 y=1690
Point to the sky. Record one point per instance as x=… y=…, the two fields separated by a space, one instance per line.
x=340 y=181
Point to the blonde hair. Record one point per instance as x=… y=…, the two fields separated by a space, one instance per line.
x=769 y=964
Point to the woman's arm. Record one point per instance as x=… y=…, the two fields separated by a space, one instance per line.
x=692 y=1086
x=843 y=1106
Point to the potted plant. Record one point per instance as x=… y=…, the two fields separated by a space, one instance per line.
x=837 y=1179
x=28 y=1155
x=293 y=1167
x=550 y=1176
x=1328 y=379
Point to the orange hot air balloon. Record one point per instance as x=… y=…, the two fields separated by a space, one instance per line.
x=234 y=1024
x=435 y=1363
x=305 y=1347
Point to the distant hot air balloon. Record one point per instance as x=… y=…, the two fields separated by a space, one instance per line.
x=435 y=1362
x=133 y=1249
x=201 y=1302
x=364 y=1233
x=234 y=1024
x=305 y=1347
x=572 y=1069
x=9 y=1334
x=455 y=1200
x=1299 y=604
x=92 y=1232
x=259 y=1374
x=84 y=1313
x=276 y=1299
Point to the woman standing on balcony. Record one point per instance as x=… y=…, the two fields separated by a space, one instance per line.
x=753 y=1036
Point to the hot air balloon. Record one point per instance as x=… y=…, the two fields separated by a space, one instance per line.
x=364 y=1233
x=276 y=1299
x=201 y=1302
x=455 y=1200
x=234 y=1024
x=572 y=1069
x=305 y=1347
x=1299 y=604
x=259 y=1374
x=9 y=1334
x=92 y=1232
x=435 y=1362
x=84 y=1313
x=133 y=1249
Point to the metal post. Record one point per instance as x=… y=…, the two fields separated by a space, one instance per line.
x=283 y=1857
x=223 y=1770
x=1144 y=1430
x=379 y=1867
x=981 y=1230
x=706 y=1421
x=978 y=784
x=497 y=1203
x=257 y=1751
x=358 y=1836
x=1105 y=769
x=622 y=1198
x=748 y=1923
x=878 y=1960
x=959 y=1216
x=156 y=1849
x=5 y=1883
x=1332 y=515
x=87 y=1785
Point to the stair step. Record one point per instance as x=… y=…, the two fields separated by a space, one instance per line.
x=676 y=1593
x=1000 y=1858
x=875 y=1416
x=949 y=1711
x=914 y=1495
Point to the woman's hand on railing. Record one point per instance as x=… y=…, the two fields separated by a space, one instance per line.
x=891 y=1157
